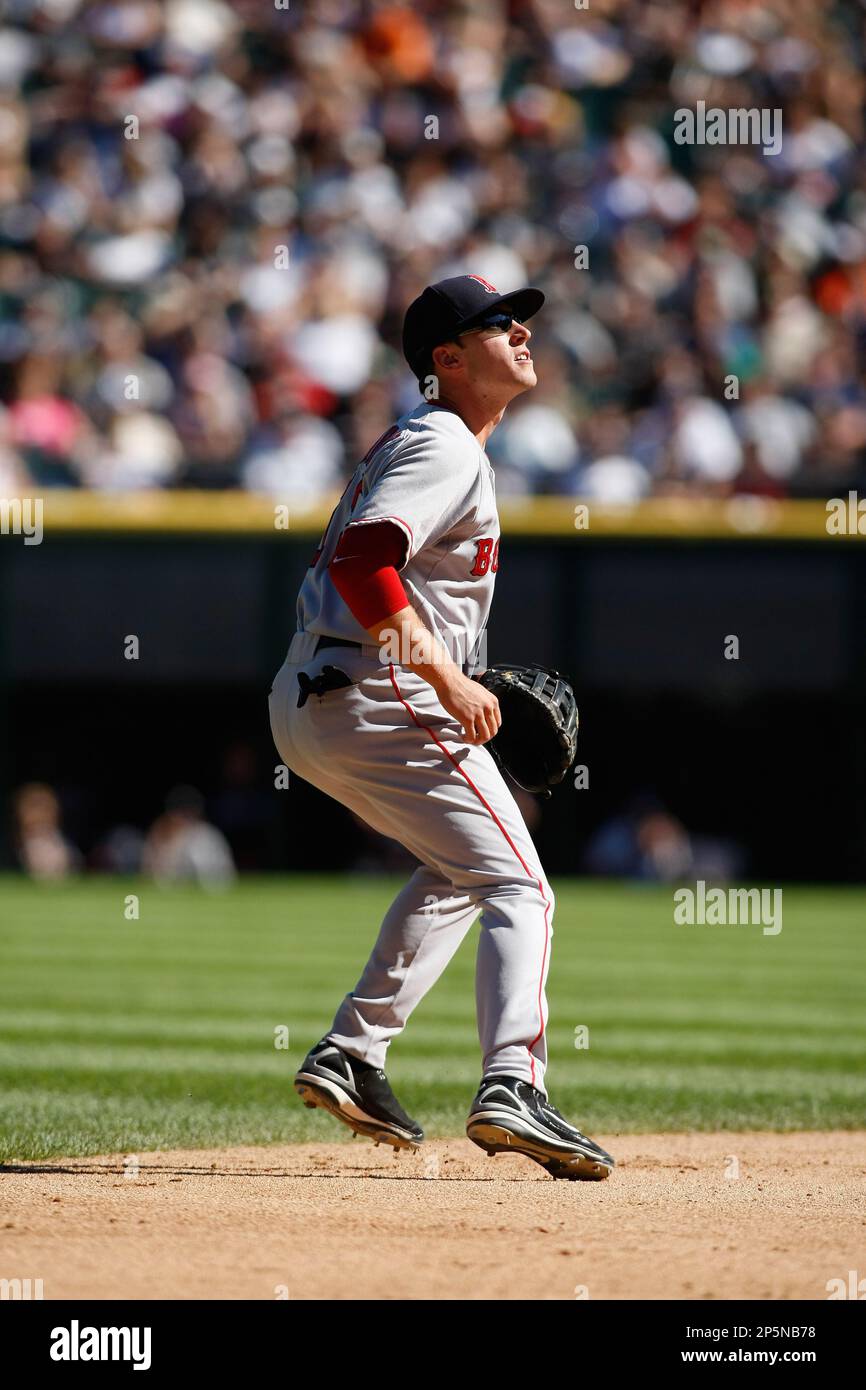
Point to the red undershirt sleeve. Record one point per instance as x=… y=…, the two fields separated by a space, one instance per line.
x=363 y=570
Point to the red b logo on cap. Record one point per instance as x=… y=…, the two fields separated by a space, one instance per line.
x=491 y=289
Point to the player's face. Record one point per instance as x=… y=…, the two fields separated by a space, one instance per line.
x=499 y=357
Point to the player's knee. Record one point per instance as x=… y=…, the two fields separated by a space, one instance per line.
x=521 y=890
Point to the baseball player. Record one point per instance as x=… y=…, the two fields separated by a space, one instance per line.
x=374 y=706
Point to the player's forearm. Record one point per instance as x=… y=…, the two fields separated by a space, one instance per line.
x=406 y=640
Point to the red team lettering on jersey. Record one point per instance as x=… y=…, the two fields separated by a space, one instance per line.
x=486 y=556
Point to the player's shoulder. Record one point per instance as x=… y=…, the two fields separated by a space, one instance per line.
x=441 y=431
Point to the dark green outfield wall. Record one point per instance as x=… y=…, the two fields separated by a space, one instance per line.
x=769 y=749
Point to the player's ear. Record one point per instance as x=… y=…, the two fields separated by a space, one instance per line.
x=446 y=356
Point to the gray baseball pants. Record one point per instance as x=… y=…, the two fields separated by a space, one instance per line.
x=386 y=749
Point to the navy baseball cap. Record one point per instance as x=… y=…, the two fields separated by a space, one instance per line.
x=448 y=308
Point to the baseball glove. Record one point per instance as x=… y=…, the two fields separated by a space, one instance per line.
x=537 y=742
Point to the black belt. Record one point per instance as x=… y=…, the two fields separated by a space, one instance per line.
x=329 y=678
x=335 y=642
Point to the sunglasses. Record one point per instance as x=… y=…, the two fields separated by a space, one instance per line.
x=503 y=322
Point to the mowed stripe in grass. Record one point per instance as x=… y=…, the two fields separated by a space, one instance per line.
x=120 y=1035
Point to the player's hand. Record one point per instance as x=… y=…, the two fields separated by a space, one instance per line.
x=474 y=708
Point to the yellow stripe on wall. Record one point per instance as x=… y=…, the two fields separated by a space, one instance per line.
x=241 y=514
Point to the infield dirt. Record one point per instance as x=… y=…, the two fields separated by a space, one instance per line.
x=708 y=1216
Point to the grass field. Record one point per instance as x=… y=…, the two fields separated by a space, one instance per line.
x=124 y=1036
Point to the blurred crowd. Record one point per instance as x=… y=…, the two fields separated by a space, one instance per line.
x=191 y=841
x=181 y=846
x=213 y=216
x=645 y=841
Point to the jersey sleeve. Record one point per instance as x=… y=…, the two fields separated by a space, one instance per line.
x=427 y=486
x=364 y=571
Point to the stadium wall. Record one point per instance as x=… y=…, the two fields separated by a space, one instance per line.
x=636 y=607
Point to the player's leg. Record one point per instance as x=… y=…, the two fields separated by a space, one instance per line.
x=481 y=843
x=404 y=758
x=453 y=801
x=427 y=921
x=343 y=1073
x=420 y=933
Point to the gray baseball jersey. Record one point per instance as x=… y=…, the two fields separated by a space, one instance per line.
x=429 y=476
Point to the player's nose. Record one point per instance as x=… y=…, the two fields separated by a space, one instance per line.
x=520 y=334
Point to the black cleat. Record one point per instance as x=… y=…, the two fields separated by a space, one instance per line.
x=512 y=1116
x=358 y=1094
